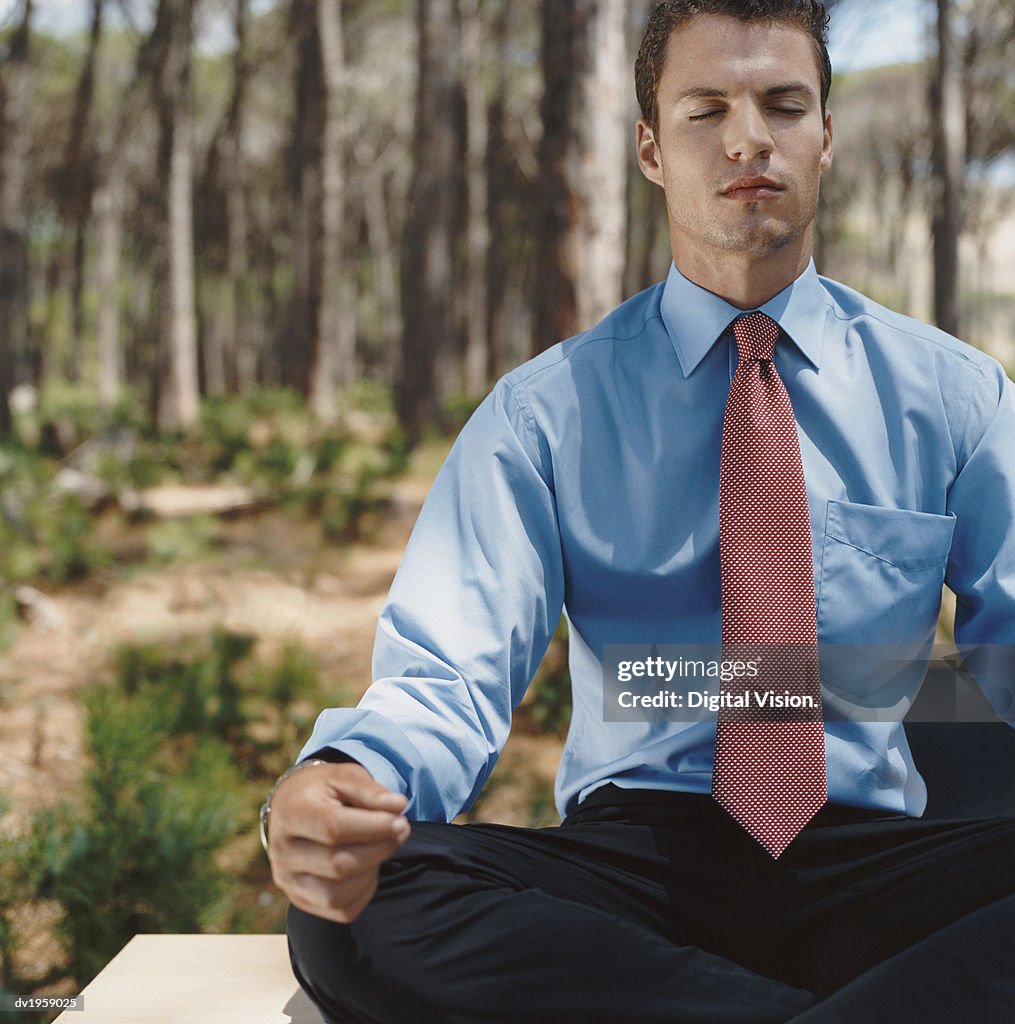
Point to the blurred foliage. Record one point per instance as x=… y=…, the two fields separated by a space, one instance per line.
x=44 y=529
x=457 y=408
x=550 y=691
x=185 y=740
x=139 y=855
x=182 y=540
x=217 y=687
x=292 y=697
x=199 y=691
x=181 y=746
x=11 y=892
x=542 y=807
x=501 y=778
x=72 y=462
x=266 y=441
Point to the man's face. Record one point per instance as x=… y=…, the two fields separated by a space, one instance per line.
x=741 y=144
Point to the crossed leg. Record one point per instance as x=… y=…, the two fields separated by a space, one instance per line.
x=649 y=907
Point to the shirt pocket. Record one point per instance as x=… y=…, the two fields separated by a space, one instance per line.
x=881 y=574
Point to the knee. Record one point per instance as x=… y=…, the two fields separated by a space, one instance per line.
x=322 y=959
x=348 y=974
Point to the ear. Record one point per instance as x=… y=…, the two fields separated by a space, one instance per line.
x=826 y=149
x=649 y=154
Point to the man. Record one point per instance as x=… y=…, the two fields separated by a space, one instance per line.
x=608 y=477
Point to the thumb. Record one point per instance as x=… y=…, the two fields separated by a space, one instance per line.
x=352 y=784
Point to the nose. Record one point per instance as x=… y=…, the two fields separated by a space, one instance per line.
x=747 y=134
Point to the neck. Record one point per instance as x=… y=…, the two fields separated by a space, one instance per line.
x=744 y=281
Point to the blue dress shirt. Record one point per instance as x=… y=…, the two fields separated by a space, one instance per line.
x=588 y=481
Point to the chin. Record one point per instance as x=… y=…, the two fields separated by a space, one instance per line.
x=759 y=241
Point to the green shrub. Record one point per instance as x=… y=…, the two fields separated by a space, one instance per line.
x=11 y=893
x=550 y=703
x=456 y=409
x=127 y=459
x=288 y=697
x=369 y=396
x=214 y=687
x=183 y=540
x=139 y=854
x=44 y=531
x=197 y=686
x=542 y=809
x=256 y=437
x=290 y=678
x=265 y=440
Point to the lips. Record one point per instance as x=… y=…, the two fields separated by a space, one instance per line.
x=750 y=189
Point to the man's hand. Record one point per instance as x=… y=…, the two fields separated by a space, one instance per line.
x=331 y=828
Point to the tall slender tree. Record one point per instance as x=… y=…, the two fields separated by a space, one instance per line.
x=477 y=220
x=427 y=269
x=949 y=169
x=112 y=159
x=226 y=339
x=305 y=195
x=178 y=396
x=335 y=323
x=374 y=187
x=108 y=209
x=15 y=84
x=583 y=158
x=78 y=181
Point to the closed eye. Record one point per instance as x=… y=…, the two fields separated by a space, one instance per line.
x=708 y=114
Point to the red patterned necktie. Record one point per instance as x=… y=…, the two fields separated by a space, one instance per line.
x=769 y=771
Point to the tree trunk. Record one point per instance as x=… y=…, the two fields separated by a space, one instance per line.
x=335 y=326
x=111 y=189
x=179 y=403
x=427 y=273
x=499 y=178
x=237 y=337
x=15 y=84
x=108 y=207
x=583 y=158
x=477 y=229
x=79 y=181
x=603 y=162
x=383 y=256
x=305 y=191
x=949 y=171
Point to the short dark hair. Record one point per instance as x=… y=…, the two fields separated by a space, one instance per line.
x=670 y=15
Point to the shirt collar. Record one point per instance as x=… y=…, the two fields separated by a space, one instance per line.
x=695 y=318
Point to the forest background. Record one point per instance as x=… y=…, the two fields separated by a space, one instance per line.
x=258 y=261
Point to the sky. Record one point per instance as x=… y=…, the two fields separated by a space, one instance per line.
x=864 y=33
x=871 y=33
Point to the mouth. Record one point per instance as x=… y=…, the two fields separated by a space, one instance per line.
x=748 y=190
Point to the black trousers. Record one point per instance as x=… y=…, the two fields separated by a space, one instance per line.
x=646 y=906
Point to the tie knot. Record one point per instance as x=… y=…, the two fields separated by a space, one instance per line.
x=756 y=335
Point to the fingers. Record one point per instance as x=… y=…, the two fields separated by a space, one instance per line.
x=336 y=884
x=337 y=864
x=330 y=829
x=336 y=804
x=342 y=902
x=358 y=789
x=329 y=822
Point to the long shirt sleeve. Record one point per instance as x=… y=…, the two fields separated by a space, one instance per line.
x=474 y=604
x=981 y=569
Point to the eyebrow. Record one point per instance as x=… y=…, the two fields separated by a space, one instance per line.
x=706 y=92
